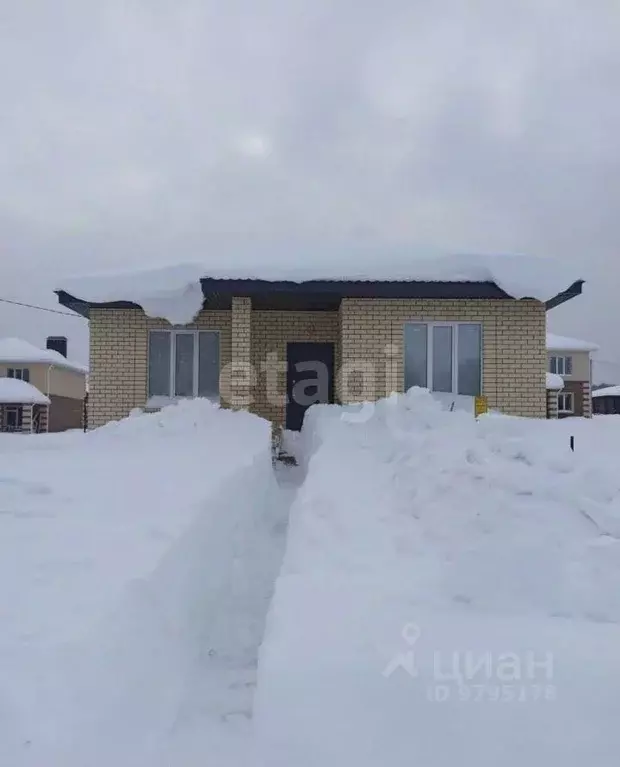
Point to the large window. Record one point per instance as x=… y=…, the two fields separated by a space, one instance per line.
x=562 y=366
x=22 y=374
x=444 y=356
x=184 y=363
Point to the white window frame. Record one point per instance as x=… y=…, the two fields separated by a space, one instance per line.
x=562 y=396
x=455 y=352
x=560 y=369
x=160 y=399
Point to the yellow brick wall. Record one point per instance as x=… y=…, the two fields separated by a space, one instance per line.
x=271 y=330
x=240 y=375
x=119 y=358
x=369 y=331
x=514 y=353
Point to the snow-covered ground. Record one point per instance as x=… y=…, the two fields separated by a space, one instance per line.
x=136 y=566
x=450 y=593
x=447 y=591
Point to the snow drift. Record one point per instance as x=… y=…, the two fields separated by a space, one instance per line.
x=418 y=534
x=136 y=572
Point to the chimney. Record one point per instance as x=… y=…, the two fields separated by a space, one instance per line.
x=57 y=344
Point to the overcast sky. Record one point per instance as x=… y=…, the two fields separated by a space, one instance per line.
x=152 y=131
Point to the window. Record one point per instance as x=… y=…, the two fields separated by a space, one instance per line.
x=22 y=374
x=184 y=363
x=563 y=366
x=13 y=418
x=444 y=356
x=566 y=402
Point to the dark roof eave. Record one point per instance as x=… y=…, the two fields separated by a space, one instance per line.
x=335 y=289
x=573 y=291
x=83 y=307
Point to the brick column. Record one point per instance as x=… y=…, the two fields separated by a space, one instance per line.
x=44 y=416
x=27 y=419
x=552 y=403
x=586 y=395
x=240 y=394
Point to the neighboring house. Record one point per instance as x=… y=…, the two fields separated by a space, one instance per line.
x=276 y=346
x=23 y=408
x=571 y=359
x=52 y=374
x=606 y=401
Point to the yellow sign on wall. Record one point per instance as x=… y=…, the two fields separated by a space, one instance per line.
x=481 y=406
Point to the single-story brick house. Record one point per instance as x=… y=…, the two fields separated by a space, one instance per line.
x=277 y=344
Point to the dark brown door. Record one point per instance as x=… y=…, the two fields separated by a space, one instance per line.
x=309 y=379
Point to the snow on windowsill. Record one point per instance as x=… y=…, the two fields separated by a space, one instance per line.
x=158 y=402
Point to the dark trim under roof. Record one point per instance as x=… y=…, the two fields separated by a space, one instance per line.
x=323 y=295
x=572 y=292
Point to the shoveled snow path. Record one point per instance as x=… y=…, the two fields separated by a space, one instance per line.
x=215 y=717
x=136 y=589
x=226 y=693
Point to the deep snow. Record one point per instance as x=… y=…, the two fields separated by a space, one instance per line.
x=17 y=351
x=554 y=382
x=174 y=292
x=607 y=391
x=16 y=391
x=421 y=533
x=136 y=567
x=565 y=344
x=447 y=591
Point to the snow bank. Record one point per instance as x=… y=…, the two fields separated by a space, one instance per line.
x=421 y=542
x=14 y=350
x=175 y=292
x=565 y=344
x=136 y=563
x=15 y=391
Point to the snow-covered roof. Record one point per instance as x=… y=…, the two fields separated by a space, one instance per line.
x=175 y=292
x=16 y=392
x=608 y=391
x=566 y=344
x=554 y=382
x=17 y=351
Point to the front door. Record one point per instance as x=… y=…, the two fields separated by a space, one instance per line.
x=309 y=379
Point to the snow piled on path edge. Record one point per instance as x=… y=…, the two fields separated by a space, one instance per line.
x=364 y=601
x=167 y=674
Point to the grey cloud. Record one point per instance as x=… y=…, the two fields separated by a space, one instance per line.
x=133 y=133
